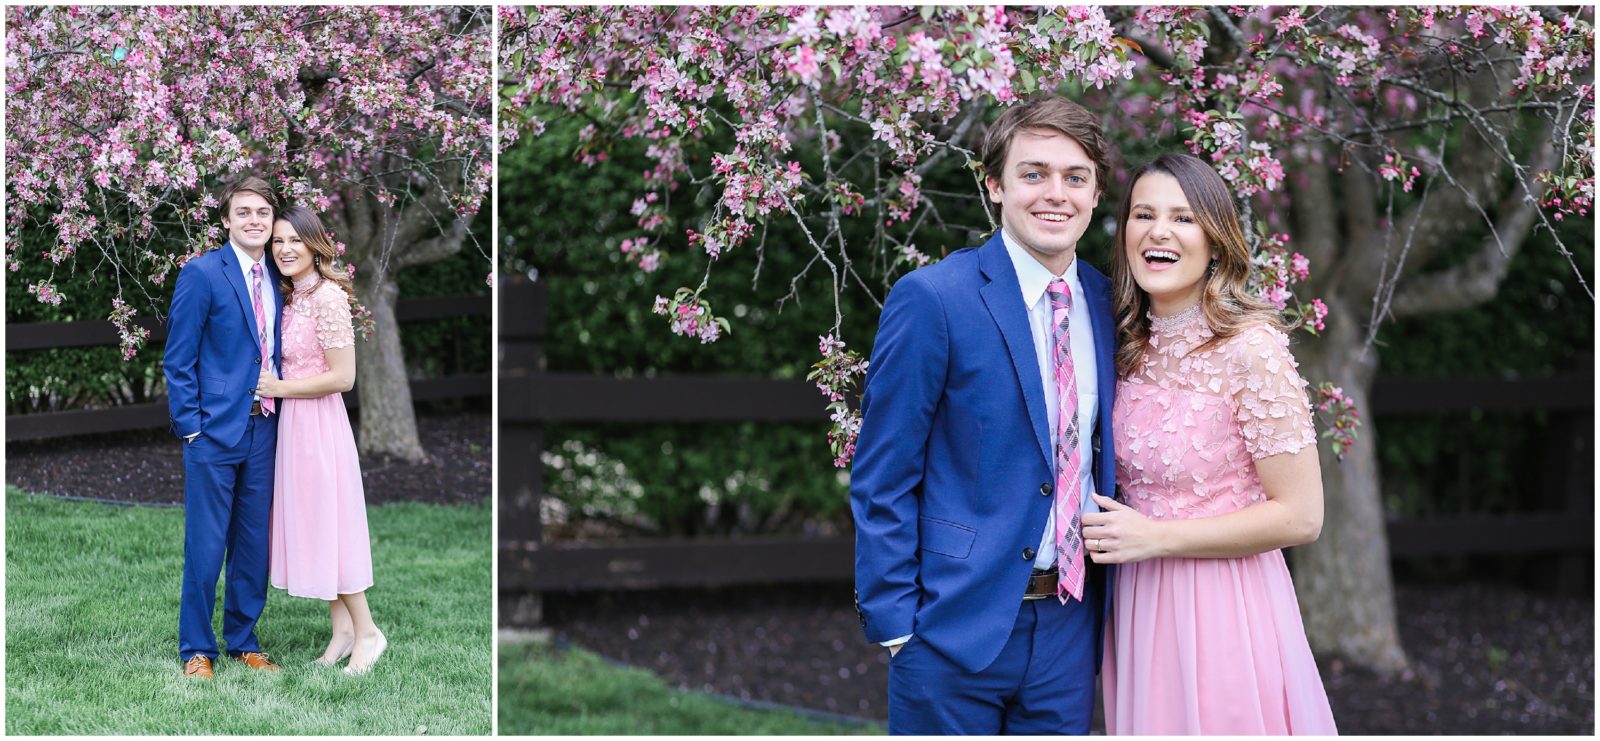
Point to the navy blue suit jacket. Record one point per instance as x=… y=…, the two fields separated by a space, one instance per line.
x=953 y=452
x=213 y=356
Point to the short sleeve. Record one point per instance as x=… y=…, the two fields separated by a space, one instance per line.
x=332 y=312
x=1269 y=395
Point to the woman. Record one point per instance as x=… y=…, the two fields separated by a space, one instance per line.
x=1217 y=463
x=319 y=520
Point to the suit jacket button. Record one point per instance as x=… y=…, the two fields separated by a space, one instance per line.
x=1028 y=554
x=1045 y=490
x=258 y=361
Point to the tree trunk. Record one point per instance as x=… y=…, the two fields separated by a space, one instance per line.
x=388 y=423
x=1346 y=590
x=381 y=242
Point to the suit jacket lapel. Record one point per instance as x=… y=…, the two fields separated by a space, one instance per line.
x=277 y=314
x=1098 y=287
x=235 y=276
x=1002 y=296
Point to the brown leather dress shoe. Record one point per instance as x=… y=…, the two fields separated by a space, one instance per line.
x=256 y=660
x=198 y=666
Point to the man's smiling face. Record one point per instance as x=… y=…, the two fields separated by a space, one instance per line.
x=248 y=220
x=1047 y=194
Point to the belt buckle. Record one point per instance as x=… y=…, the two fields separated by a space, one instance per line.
x=1045 y=574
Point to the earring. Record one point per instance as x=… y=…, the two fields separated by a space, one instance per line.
x=316 y=261
x=1211 y=269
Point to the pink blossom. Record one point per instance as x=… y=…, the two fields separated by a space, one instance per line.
x=802 y=64
x=1300 y=266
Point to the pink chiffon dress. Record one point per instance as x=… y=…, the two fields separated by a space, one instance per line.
x=1208 y=645
x=319 y=546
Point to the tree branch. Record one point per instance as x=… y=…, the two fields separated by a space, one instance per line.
x=437 y=248
x=1454 y=210
x=1220 y=17
x=1478 y=279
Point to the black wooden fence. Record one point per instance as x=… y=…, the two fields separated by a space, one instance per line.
x=531 y=396
x=154 y=414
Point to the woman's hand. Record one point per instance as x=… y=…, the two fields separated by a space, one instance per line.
x=268 y=385
x=1120 y=534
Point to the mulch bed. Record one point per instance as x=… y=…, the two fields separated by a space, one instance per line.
x=1487 y=658
x=146 y=467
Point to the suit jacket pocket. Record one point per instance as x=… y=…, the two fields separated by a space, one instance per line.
x=946 y=538
x=209 y=385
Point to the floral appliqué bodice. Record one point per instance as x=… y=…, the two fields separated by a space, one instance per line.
x=318 y=319
x=1190 y=423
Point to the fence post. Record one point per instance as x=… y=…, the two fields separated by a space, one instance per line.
x=522 y=330
x=1568 y=484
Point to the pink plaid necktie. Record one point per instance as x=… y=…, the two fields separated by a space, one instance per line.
x=1069 y=543
x=261 y=326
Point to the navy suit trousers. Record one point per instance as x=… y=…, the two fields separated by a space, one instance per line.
x=227 y=502
x=1041 y=684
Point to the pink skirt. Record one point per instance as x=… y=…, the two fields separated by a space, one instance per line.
x=319 y=515
x=1210 y=646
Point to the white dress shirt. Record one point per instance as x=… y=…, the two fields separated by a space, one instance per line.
x=247 y=264
x=1033 y=278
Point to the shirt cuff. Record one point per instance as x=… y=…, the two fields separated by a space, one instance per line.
x=896 y=641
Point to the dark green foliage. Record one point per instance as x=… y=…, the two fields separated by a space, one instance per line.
x=1540 y=324
x=444 y=347
x=60 y=379
x=70 y=378
x=696 y=479
x=566 y=221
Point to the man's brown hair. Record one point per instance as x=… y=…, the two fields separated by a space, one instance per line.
x=1052 y=112
x=247 y=184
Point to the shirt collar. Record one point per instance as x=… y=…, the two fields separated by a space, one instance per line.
x=244 y=257
x=1032 y=276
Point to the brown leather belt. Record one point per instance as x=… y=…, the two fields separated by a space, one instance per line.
x=1041 y=584
x=255 y=408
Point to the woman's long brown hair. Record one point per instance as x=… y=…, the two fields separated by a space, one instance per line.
x=1226 y=301
x=309 y=228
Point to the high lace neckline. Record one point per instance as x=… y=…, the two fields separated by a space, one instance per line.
x=306 y=282
x=1167 y=325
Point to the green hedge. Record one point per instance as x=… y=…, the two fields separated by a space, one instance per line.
x=568 y=223
x=1540 y=324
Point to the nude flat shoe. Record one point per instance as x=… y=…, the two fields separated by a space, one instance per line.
x=320 y=661
x=383 y=643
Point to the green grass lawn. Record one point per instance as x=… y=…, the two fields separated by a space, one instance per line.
x=544 y=690
x=92 y=630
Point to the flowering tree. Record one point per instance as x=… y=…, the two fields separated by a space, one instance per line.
x=121 y=122
x=1362 y=145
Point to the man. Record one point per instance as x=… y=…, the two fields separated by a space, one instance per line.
x=987 y=419
x=223 y=327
